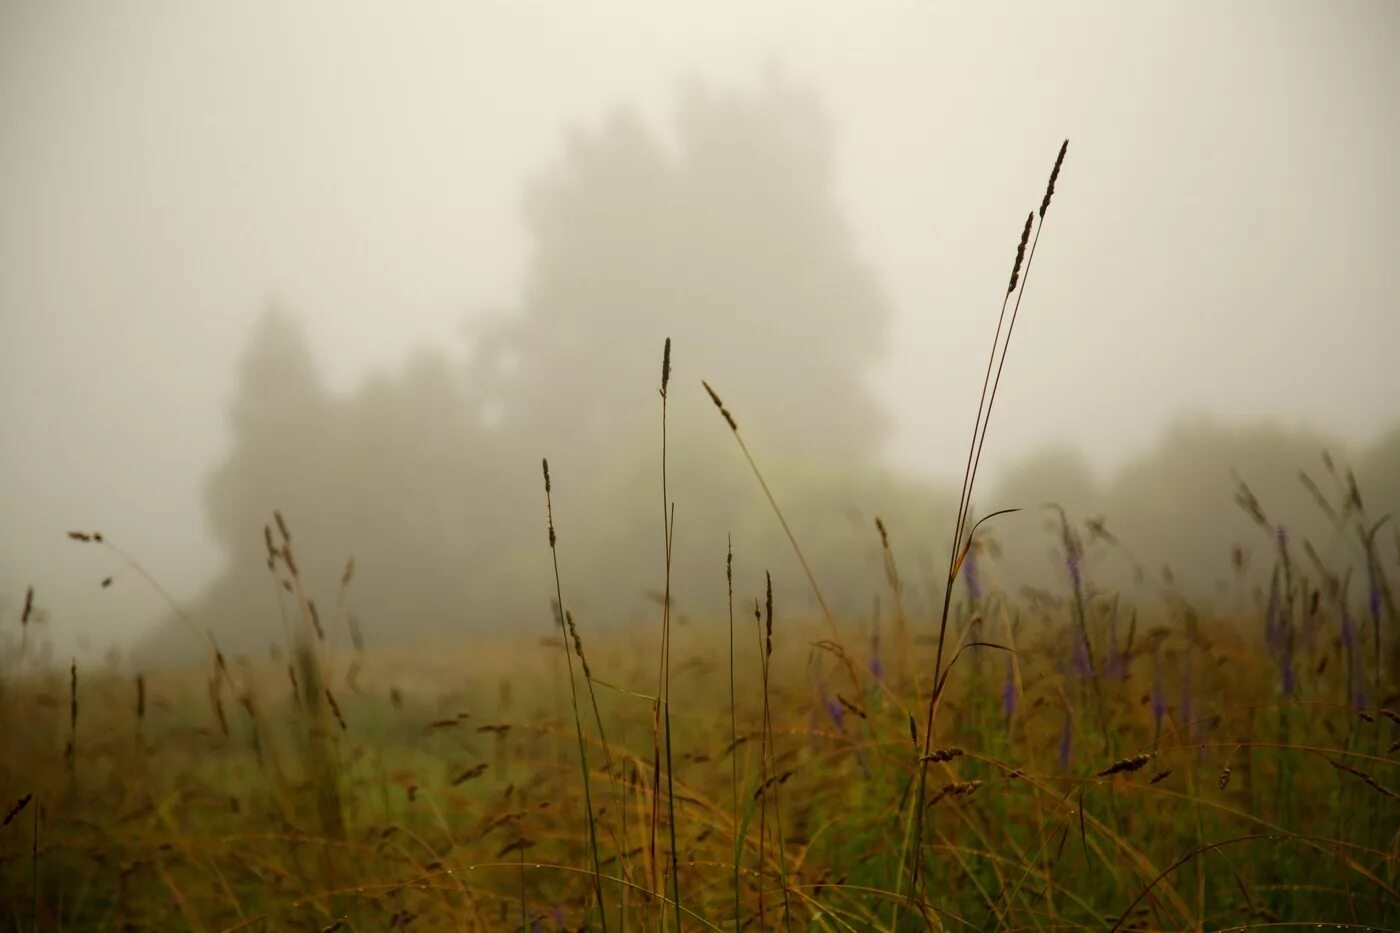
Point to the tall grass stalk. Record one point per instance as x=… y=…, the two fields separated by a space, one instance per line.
x=573 y=698
x=668 y=515
x=959 y=549
x=733 y=734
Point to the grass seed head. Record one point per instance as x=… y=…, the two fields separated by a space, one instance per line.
x=1054 y=176
x=666 y=367
x=720 y=405
x=1020 y=254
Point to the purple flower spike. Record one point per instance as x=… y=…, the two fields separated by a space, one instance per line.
x=1186 y=711
x=834 y=710
x=1082 y=667
x=1008 y=691
x=1066 y=744
x=971 y=579
x=1289 y=676
x=1076 y=575
x=1273 y=624
x=1159 y=697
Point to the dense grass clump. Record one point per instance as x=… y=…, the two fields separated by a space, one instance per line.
x=1041 y=759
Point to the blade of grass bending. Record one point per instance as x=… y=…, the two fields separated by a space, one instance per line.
x=796 y=549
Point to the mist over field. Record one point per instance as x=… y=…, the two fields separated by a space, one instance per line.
x=368 y=270
x=534 y=466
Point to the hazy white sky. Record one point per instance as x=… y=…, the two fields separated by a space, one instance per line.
x=1225 y=235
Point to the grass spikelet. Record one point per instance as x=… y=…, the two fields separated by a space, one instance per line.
x=1126 y=765
x=28 y=609
x=469 y=774
x=1366 y=777
x=16 y=810
x=729 y=419
x=665 y=367
x=943 y=754
x=335 y=710
x=1020 y=253
x=282 y=526
x=1054 y=177
x=850 y=707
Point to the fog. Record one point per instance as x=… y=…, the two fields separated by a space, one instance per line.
x=400 y=203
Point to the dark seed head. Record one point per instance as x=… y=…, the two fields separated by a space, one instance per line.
x=1054 y=176
x=665 y=367
x=720 y=405
x=1020 y=253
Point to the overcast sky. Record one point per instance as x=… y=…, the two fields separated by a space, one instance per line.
x=1224 y=238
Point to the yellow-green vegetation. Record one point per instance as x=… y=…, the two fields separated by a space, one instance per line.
x=1034 y=760
x=1173 y=786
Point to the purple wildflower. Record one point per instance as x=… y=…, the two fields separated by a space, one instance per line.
x=1066 y=744
x=1349 y=648
x=971 y=579
x=1082 y=667
x=1008 y=690
x=1289 y=677
x=559 y=917
x=834 y=710
x=1159 y=697
x=1185 y=711
x=1273 y=624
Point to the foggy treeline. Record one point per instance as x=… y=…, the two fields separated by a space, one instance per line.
x=725 y=235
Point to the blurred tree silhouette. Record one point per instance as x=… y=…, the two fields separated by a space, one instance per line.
x=731 y=242
x=725 y=236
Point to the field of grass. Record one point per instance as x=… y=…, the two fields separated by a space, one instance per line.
x=1030 y=760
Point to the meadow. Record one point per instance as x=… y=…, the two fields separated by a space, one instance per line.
x=1034 y=759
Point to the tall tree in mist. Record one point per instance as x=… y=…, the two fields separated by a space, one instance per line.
x=723 y=234
x=280 y=416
